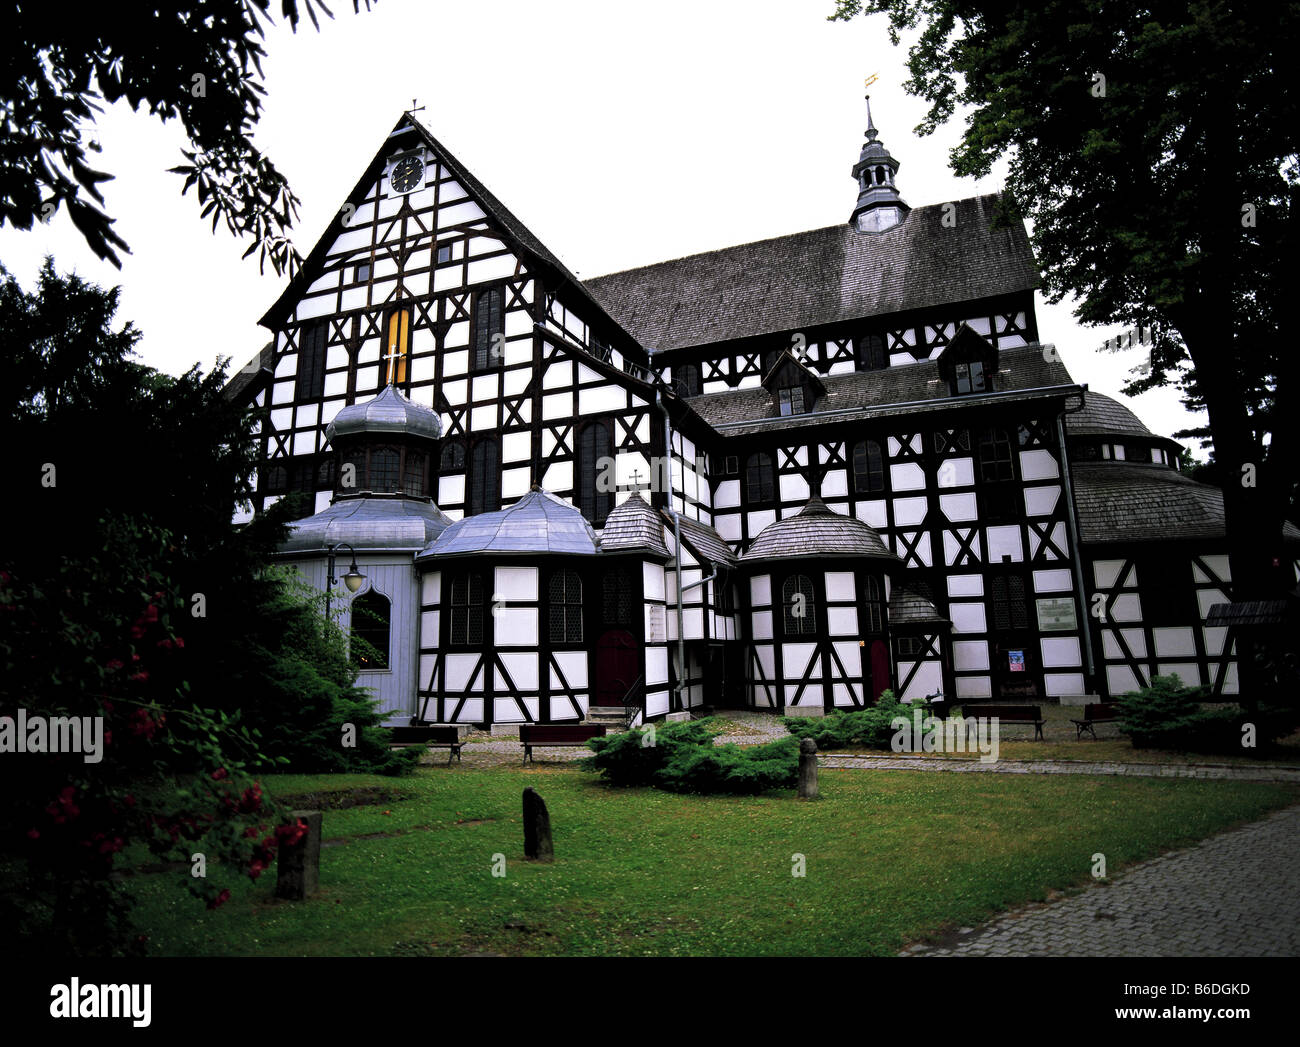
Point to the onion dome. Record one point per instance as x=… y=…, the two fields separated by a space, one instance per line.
x=389 y=412
x=817 y=531
x=388 y=524
x=537 y=523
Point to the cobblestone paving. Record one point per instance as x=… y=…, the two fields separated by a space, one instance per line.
x=1262 y=773
x=1235 y=894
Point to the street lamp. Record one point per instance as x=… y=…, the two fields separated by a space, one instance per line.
x=352 y=579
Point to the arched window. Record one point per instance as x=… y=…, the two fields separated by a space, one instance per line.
x=484 y=494
x=566 y=607
x=453 y=456
x=880 y=176
x=383 y=469
x=616 y=598
x=325 y=472
x=797 y=605
x=760 y=482
x=870 y=352
x=413 y=482
x=688 y=380
x=868 y=467
x=874 y=606
x=371 y=623
x=277 y=479
x=352 y=473
x=595 y=454
x=465 y=623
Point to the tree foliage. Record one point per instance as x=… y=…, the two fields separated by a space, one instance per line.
x=199 y=63
x=1153 y=147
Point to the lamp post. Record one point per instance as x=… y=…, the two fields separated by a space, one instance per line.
x=352 y=579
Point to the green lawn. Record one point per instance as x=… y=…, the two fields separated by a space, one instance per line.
x=890 y=857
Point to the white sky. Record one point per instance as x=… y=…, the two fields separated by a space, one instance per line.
x=620 y=134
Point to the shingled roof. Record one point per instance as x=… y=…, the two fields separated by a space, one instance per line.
x=704 y=541
x=633 y=526
x=912 y=603
x=822 y=276
x=817 y=531
x=1102 y=415
x=880 y=392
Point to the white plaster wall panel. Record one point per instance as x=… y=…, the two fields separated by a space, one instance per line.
x=850 y=655
x=1136 y=640
x=841 y=696
x=840 y=586
x=422 y=369
x=559 y=477
x=1207 y=598
x=282 y=418
x=874 y=513
x=558 y=375
x=1174 y=642
x=451 y=489
x=974 y=687
x=488 y=269
x=515 y=626
x=431 y=588
x=956 y=472
x=1054 y=581
x=970 y=654
x=516 y=447
x=652 y=581
x=425 y=678
x=471 y=711
x=835 y=484
x=1230 y=679
x=907 y=476
x=282 y=393
x=842 y=621
x=1057 y=684
x=959 y=508
x=572 y=667
x=1126 y=608
x=928 y=680
x=692 y=623
x=485 y=387
x=601 y=398
x=795 y=658
x=367 y=377
x=728 y=495
x=429 y=628
x=762 y=625
x=1004 y=542
x=965 y=585
x=1219 y=565
x=1188 y=672
x=811 y=696
x=1060 y=652
x=1120 y=680
x=728 y=526
x=483 y=418
x=506 y=710
x=656 y=665
x=557 y=405
x=908 y=512
x=1057 y=536
x=458 y=214
x=515 y=482
x=1104 y=572
x=515 y=584
x=1214 y=640
x=656 y=703
x=1041 y=501
x=454 y=363
x=759 y=520
x=951 y=549
x=522 y=669
x=794 y=488
x=458 y=670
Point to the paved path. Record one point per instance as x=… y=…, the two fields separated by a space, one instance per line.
x=1231 y=772
x=1235 y=894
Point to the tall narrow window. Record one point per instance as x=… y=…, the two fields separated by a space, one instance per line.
x=383 y=469
x=688 y=380
x=371 y=626
x=760 y=484
x=595 y=457
x=868 y=467
x=616 y=599
x=489 y=329
x=484 y=491
x=995 y=456
x=310 y=384
x=1007 y=597
x=871 y=352
x=797 y=604
x=397 y=347
x=722 y=598
x=875 y=608
x=566 y=607
x=413 y=481
x=453 y=456
x=465 y=623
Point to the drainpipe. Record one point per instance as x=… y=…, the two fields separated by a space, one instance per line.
x=677 y=543
x=1076 y=560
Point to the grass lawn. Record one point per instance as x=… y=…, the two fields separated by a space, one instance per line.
x=890 y=858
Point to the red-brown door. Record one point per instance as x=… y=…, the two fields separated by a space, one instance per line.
x=616 y=666
x=879 y=668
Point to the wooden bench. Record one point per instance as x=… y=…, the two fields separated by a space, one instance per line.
x=1093 y=714
x=549 y=734
x=429 y=736
x=1009 y=714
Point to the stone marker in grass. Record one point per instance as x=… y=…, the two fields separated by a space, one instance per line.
x=807 y=769
x=537 y=828
x=298 y=865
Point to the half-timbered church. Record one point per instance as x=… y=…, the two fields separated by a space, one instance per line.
x=785 y=475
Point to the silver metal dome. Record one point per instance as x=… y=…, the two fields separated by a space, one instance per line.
x=369 y=523
x=537 y=523
x=389 y=412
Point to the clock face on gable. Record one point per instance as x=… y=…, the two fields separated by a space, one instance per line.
x=406 y=174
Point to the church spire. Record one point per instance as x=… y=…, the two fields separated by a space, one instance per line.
x=879 y=206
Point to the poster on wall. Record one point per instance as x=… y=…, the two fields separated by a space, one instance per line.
x=1016 y=661
x=1056 y=614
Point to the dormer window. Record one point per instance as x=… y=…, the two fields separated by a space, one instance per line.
x=968 y=363
x=790 y=400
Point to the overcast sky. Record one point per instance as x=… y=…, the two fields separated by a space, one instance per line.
x=621 y=134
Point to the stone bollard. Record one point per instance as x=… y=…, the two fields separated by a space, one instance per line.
x=537 y=828
x=298 y=866
x=807 y=769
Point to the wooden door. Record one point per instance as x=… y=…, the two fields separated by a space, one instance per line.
x=879 y=668
x=616 y=667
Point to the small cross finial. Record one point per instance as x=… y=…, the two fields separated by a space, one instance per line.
x=390 y=356
x=415 y=106
x=636 y=479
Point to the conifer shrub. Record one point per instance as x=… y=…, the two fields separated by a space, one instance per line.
x=1169 y=715
x=682 y=757
x=869 y=727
